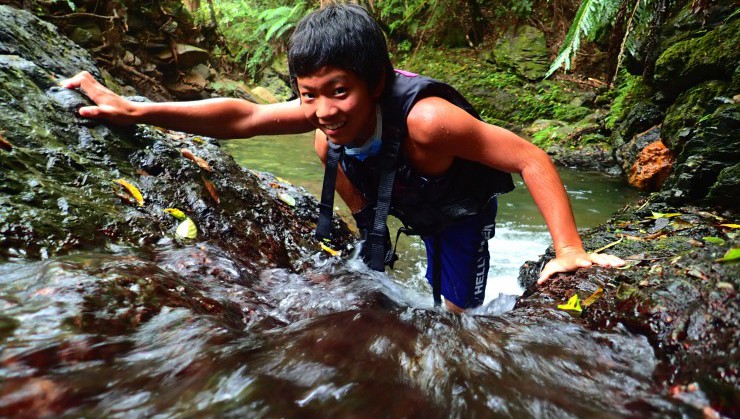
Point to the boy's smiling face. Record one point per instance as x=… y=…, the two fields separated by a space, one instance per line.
x=339 y=103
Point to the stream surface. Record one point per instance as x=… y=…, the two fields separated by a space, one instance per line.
x=173 y=330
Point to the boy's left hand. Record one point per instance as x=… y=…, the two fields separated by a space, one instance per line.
x=572 y=261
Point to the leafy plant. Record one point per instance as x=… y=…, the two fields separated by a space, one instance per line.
x=256 y=31
x=595 y=16
x=276 y=22
x=591 y=16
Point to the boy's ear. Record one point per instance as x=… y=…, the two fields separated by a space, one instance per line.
x=380 y=86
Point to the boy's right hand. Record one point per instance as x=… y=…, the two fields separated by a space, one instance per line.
x=109 y=106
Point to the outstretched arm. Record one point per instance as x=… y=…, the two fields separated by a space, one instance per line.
x=442 y=129
x=218 y=118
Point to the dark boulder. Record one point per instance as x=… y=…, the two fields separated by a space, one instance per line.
x=675 y=291
x=708 y=149
x=714 y=56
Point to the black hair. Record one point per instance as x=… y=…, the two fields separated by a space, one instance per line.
x=344 y=36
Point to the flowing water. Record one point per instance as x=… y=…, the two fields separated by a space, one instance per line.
x=521 y=233
x=182 y=331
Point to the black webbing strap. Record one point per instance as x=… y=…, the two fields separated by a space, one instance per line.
x=326 y=206
x=437 y=270
x=376 y=237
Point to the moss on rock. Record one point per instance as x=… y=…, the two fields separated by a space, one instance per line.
x=693 y=104
x=715 y=55
x=724 y=190
x=525 y=51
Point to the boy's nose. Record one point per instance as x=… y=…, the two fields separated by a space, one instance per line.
x=325 y=109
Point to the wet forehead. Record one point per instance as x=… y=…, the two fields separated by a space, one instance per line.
x=326 y=76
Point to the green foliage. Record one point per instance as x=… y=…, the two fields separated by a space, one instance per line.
x=501 y=98
x=595 y=17
x=628 y=90
x=546 y=137
x=591 y=16
x=521 y=8
x=276 y=22
x=415 y=21
x=256 y=31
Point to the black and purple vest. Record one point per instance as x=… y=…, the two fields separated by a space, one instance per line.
x=426 y=205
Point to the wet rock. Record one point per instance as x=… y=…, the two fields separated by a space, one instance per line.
x=724 y=190
x=709 y=148
x=695 y=103
x=189 y=55
x=24 y=35
x=58 y=192
x=627 y=154
x=188 y=86
x=674 y=291
x=87 y=35
x=652 y=167
x=595 y=157
x=641 y=117
x=688 y=63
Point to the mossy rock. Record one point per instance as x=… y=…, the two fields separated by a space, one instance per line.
x=630 y=91
x=724 y=190
x=714 y=56
x=689 y=108
x=642 y=116
x=708 y=150
x=525 y=51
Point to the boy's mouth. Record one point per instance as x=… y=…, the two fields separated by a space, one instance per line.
x=334 y=127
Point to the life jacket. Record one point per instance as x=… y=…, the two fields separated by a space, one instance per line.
x=427 y=205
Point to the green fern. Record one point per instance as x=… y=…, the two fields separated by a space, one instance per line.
x=590 y=17
x=277 y=21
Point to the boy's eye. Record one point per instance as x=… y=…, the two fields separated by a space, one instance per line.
x=340 y=90
x=307 y=95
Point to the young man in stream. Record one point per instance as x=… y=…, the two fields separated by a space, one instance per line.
x=403 y=144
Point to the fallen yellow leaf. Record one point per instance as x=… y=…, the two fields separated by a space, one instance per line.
x=593 y=297
x=329 y=250
x=187 y=230
x=132 y=190
x=574 y=304
x=176 y=213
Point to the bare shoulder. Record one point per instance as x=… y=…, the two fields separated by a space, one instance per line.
x=434 y=120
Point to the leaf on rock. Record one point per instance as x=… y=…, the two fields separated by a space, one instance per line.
x=176 y=213
x=732 y=255
x=625 y=291
x=5 y=144
x=714 y=240
x=211 y=188
x=132 y=190
x=574 y=304
x=733 y=226
x=657 y=215
x=329 y=250
x=593 y=297
x=287 y=198
x=187 y=229
x=283 y=180
x=199 y=161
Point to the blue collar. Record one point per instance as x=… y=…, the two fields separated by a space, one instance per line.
x=371 y=146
